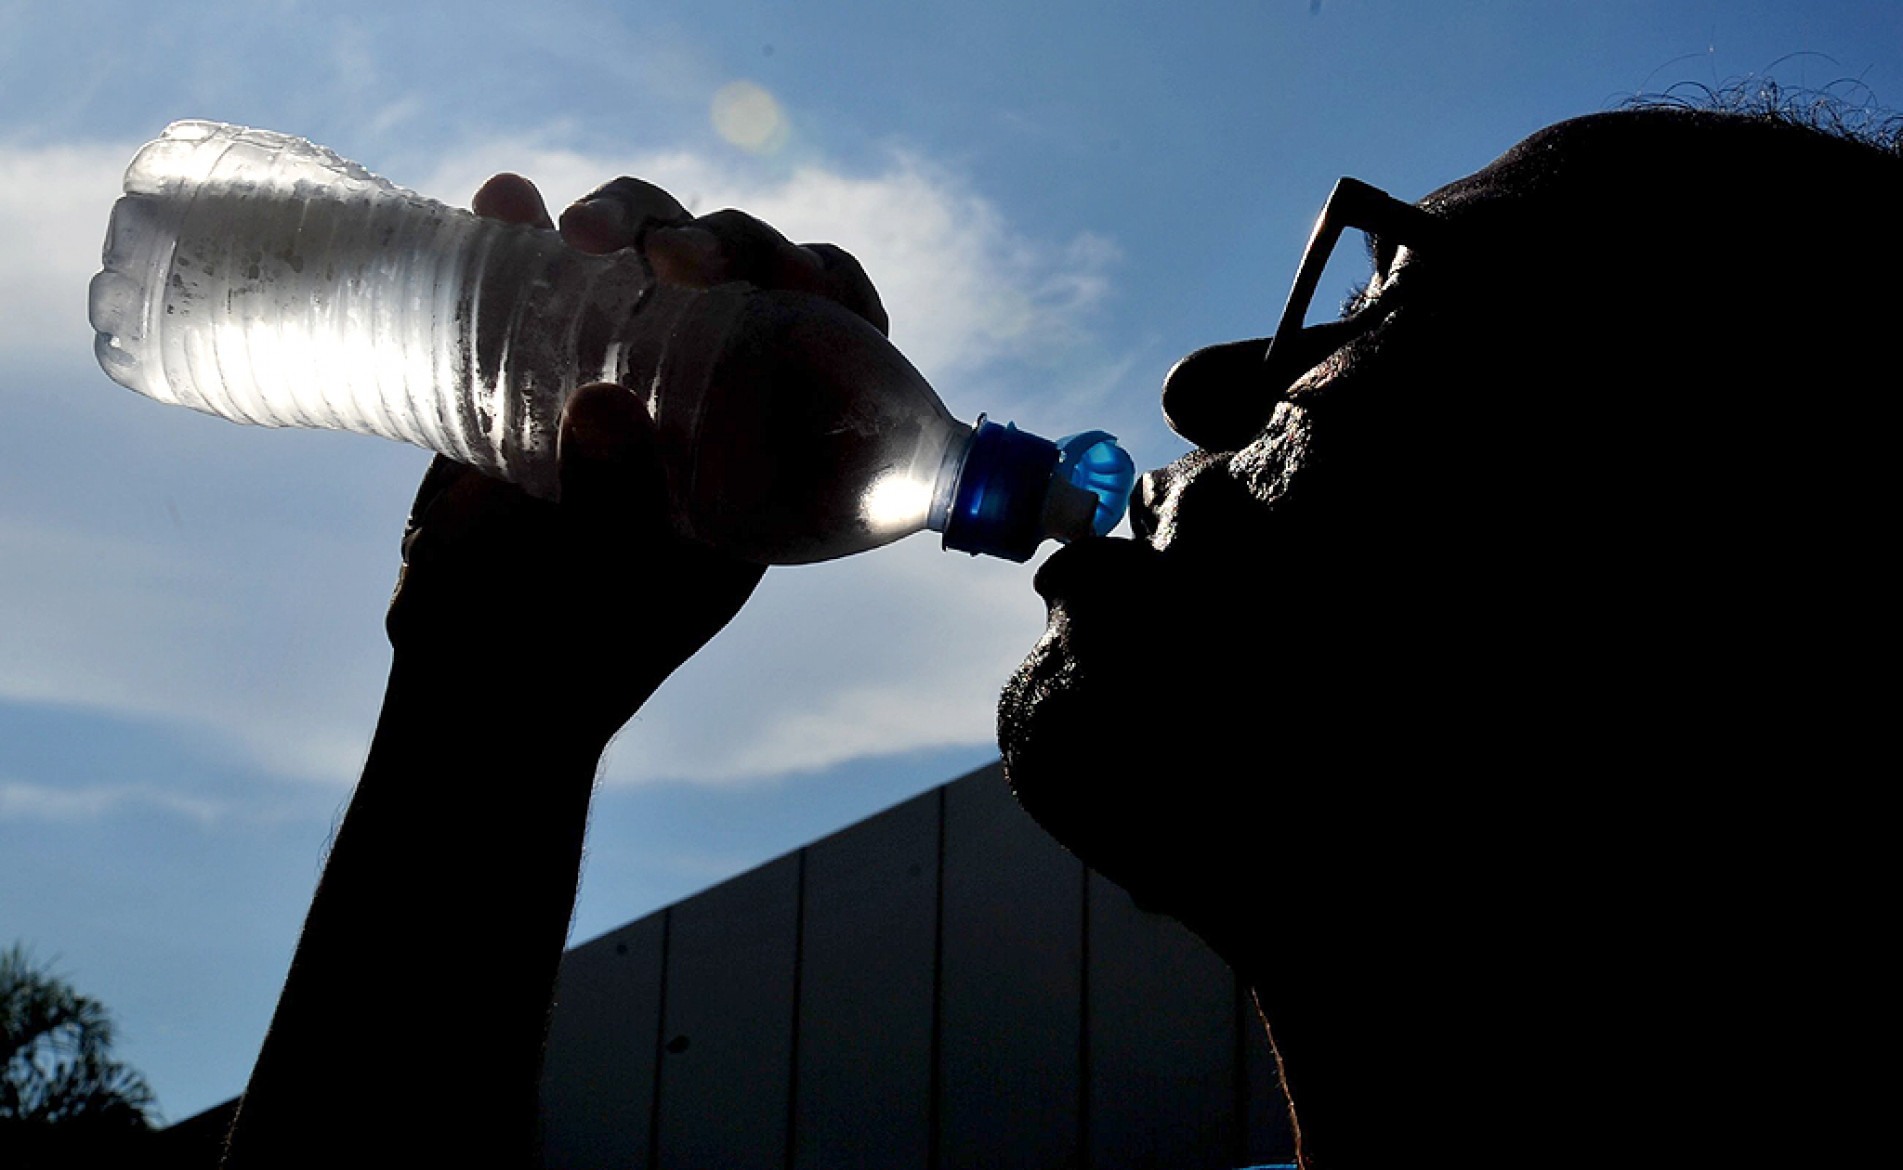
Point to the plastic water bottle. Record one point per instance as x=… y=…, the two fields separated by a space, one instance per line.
x=264 y=279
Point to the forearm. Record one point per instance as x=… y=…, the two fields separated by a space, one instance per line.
x=421 y=985
x=420 y=991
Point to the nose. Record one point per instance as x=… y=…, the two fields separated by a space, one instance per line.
x=1220 y=398
x=1217 y=397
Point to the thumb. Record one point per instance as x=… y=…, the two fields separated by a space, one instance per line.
x=609 y=461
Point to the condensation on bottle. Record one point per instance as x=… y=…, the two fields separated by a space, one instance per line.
x=261 y=278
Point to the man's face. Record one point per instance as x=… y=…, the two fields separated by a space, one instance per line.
x=1390 y=586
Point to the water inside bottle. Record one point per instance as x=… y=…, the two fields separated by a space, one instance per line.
x=264 y=279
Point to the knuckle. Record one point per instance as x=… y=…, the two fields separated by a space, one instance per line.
x=845 y=281
x=635 y=205
x=749 y=245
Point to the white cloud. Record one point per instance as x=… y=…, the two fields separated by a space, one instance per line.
x=21 y=801
x=253 y=644
x=54 y=201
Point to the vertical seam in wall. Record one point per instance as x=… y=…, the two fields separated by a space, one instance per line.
x=799 y=970
x=935 y=1081
x=1239 y=1075
x=1083 y=1028
x=660 y=1044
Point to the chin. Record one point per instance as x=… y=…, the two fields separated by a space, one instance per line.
x=1053 y=734
x=1115 y=740
x=1066 y=717
x=1195 y=735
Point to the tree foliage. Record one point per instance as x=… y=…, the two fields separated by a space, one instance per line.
x=61 y=1093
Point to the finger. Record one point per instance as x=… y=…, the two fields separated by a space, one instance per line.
x=751 y=247
x=618 y=214
x=615 y=488
x=455 y=532
x=726 y=245
x=731 y=245
x=512 y=199
x=844 y=279
x=441 y=474
x=442 y=470
x=610 y=466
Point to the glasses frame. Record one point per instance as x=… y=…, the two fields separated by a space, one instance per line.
x=1352 y=204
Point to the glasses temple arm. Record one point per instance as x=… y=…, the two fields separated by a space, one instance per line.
x=1352 y=203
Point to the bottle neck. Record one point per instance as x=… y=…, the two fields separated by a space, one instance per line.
x=945 y=487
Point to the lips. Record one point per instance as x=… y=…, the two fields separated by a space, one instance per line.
x=1087 y=567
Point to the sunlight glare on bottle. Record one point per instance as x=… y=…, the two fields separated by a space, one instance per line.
x=896 y=502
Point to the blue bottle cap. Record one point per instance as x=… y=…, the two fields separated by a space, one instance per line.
x=998 y=508
x=1015 y=489
x=1092 y=460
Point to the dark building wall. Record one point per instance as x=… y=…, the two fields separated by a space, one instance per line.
x=940 y=986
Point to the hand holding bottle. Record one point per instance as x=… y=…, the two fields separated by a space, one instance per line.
x=715 y=249
x=561 y=600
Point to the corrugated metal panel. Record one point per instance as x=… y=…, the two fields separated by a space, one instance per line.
x=866 y=985
x=808 y=998
x=601 y=1051
x=727 y=1048
x=1163 y=1044
x=1011 y=987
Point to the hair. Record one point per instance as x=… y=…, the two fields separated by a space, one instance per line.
x=1845 y=109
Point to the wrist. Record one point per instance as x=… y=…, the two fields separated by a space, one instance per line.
x=502 y=707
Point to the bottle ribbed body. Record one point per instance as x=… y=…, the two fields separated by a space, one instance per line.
x=261 y=278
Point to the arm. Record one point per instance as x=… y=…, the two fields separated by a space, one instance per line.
x=421 y=984
x=410 y=1027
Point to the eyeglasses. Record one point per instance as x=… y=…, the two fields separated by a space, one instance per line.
x=1352 y=204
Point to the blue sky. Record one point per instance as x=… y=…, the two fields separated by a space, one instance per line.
x=1057 y=200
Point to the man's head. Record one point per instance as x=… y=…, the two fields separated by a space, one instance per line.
x=1569 y=518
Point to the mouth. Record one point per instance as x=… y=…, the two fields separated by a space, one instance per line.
x=1121 y=612
x=1081 y=562
x=1084 y=567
